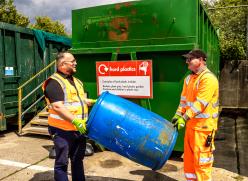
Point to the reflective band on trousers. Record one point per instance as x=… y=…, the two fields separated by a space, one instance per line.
x=58 y=117
x=203 y=115
x=206 y=160
x=190 y=175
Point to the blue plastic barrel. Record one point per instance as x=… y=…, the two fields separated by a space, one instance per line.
x=131 y=131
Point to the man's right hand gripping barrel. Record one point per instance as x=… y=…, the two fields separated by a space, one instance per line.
x=178 y=122
x=80 y=124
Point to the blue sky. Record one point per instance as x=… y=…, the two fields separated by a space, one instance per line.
x=57 y=9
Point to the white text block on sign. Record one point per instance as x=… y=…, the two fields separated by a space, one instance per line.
x=131 y=79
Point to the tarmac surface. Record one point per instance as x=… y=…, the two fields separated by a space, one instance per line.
x=26 y=159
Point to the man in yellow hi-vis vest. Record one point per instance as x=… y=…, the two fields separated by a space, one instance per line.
x=198 y=109
x=68 y=112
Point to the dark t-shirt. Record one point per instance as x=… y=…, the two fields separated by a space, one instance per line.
x=54 y=91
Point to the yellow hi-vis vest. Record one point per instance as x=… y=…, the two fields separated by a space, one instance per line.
x=199 y=103
x=74 y=101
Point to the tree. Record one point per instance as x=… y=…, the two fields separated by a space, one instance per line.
x=9 y=14
x=231 y=19
x=45 y=23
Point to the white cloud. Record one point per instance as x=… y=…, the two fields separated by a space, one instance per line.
x=58 y=9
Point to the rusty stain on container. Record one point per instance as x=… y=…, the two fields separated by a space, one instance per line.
x=141 y=146
x=119 y=27
x=1 y=116
x=127 y=4
x=149 y=153
x=115 y=23
x=163 y=138
x=117 y=6
x=154 y=19
x=134 y=12
x=101 y=23
x=118 y=50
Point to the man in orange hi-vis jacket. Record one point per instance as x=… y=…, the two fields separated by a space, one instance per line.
x=198 y=109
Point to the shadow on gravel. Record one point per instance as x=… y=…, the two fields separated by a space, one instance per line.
x=48 y=176
x=150 y=175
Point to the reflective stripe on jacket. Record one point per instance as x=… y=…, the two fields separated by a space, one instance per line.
x=73 y=101
x=199 y=103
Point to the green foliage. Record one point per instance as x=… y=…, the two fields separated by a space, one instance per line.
x=9 y=14
x=47 y=24
x=232 y=25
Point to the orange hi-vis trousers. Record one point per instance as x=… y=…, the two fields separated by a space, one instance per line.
x=198 y=159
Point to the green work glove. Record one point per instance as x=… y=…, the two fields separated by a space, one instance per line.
x=93 y=101
x=175 y=118
x=180 y=123
x=80 y=124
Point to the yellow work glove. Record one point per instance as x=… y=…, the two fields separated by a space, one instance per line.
x=90 y=102
x=180 y=123
x=80 y=124
x=93 y=101
x=175 y=118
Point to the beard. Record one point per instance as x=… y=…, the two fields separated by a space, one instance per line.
x=71 y=71
x=194 y=68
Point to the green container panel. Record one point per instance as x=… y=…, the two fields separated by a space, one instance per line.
x=135 y=23
x=160 y=30
x=20 y=50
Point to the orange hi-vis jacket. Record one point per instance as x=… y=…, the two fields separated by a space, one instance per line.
x=73 y=101
x=199 y=104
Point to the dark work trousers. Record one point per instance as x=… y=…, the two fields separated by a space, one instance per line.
x=68 y=144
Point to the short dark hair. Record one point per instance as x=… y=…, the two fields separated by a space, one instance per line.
x=60 y=56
